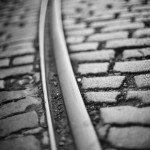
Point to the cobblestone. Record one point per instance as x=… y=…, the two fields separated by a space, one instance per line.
x=82 y=32
x=103 y=55
x=15 y=71
x=107 y=36
x=142 y=33
x=136 y=53
x=102 y=82
x=2 y=84
x=21 y=143
x=144 y=96
x=75 y=39
x=83 y=47
x=133 y=42
x=6 y=96
x=99 y=18
x=18 y=107
x=18 y=122
x=4 y=62
x=142 y=80
x=142 y=7
x=131 y=54
x=134 y=14
x=106 y=97
x=125 y=137
x=99 y=24
x=23 y=60
x=17 y=52
x=93 y=68
x=78 y=26
x=132 y=66
x=123 y=27
x=125 y=115
x=68 y=22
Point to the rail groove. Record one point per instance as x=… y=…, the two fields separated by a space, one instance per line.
x=52 y=140
x=83 y=131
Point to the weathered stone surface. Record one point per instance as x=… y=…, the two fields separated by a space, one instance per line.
x=15 y=71
x=78 y=26
x=23 y=60
x=136 y=53
x=142 y=33
x=18 y=107
x=93 y=68
x=125 y=115
x=136 y=14
x=132 y=66
x=83 y=47
x=102 y=82
x=123 y=27
x=130 y=137
x=84 y=32
x=98 y=18
x=21 y=143
x=17 y=52
x=109 y=22
x=2 y=84
x=4 y=62
x=142 y=80
x=68 y=22
x=107 y=97
x=6 y=96
x=107 y=36
x=18 y=122
x=93 y=55
x=75 y=39
x=128 y=43
x=144 y=96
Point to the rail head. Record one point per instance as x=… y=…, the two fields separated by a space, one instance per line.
x=52 y=139
x=82 y=128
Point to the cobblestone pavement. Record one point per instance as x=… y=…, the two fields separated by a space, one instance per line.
x=22 y=118
x=109 y=47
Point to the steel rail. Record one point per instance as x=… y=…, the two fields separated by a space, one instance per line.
x=83 y=131
x=43 y=9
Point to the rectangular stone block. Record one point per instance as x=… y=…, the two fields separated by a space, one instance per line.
x=111 y=82
x=103 y=55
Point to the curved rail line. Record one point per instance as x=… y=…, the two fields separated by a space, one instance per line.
x=82 y=128
x=52 y=140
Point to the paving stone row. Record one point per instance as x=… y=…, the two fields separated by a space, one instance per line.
x=109 y=47
x=22 y=116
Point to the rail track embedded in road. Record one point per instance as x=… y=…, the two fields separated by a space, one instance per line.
x=52 y=140
x=82 y=128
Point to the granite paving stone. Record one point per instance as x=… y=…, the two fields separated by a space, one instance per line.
x=143 y=96
x=125 y=137
x=103 y=55
x=21 y=143
x=4 y=62
x=23 y=60
x=18 y=107
x=106 y=97
x=132 y=66
x=97 y=37
x=125 y=115
x=132 y=42
x=93 y=68
x=15 y=71
x=123 y=27
x=102 y=82
x=83 y=46
x=142 y=80
x=18 y=122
